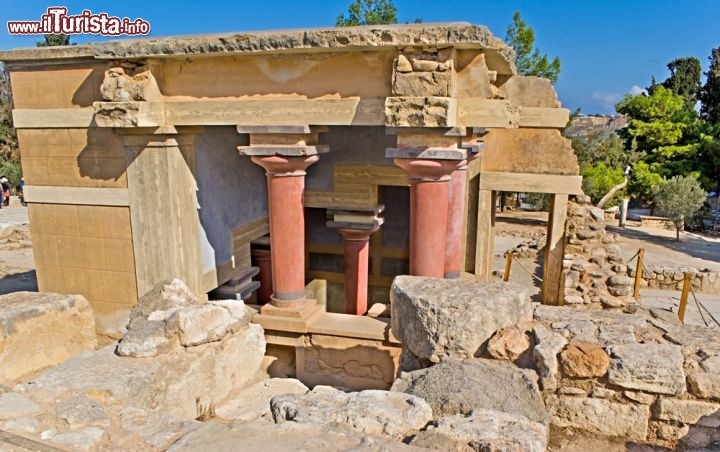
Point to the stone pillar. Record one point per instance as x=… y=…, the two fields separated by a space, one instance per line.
x=454 y=257
x=429 y=196
x=285 y=153
x=356 y=248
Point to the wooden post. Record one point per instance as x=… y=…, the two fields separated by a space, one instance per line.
x=687 y=282
x=552 y=285
x=508 y=265
x=485 y=235
x=638 y=274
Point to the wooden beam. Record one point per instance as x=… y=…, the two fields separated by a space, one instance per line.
x=531 y=183
x=480 y=112
x=485 y=235
x=89 y=196
x=544 y=117
x=53 y=118
x=369 y=175
x=268 y=112
x=552 y=285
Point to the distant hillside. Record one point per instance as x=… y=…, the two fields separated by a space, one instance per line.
x=585 y=126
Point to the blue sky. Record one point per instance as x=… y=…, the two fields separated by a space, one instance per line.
x=606 y=47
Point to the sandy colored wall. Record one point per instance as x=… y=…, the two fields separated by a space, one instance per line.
x=363 y=74
x=72 y=158
x=86 y=250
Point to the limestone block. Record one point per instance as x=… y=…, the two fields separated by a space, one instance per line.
x=437 y=319
x=711 y=364
x=402 y=64
x=484 y=430
x=86 y=439
x=545 y=313
x=261 y=436
x=156 y=429
x=509 y=343
x=137 y=84
x=530 y=91
x=420 y=112
x=529 y=151
x=348 y=363
x=685 y=411
x=82 y=411
x=654 y=368
x=170 y=313
x=422 y=84
x=179 y=383
x=549 y=344
x=371 y=412
x=14 y=405
x=584 y=360
x=458 y=387
x=705 y=385
x=600 y=416
x=40 y=330
x=640 y=397
x=254 y=402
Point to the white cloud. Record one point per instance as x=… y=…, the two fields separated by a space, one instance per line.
x=635 y=90
x=606 y=100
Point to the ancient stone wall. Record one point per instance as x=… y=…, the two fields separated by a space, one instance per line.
x=594 y=271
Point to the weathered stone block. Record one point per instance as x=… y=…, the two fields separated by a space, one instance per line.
x=584 y=360
x=372 y=412
x=549 y=344
x=422 y=84
x=600 y=416
x=705 y=385
x=685 y=411
x=420 y=112
x=654 y=368
x=530 y=91
x=438 y=319
x=40 y=330
x=458 y=387
x=484 y=430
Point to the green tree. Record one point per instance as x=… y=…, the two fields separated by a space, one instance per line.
x=9 y=155
x=54 y=40
x=598 y=179
x=684 y=79
x=369 y=12
x=528 y=59
x=667 y=135
x=710 y=92
x=679 y=198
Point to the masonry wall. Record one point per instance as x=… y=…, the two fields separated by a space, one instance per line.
x=78 y=249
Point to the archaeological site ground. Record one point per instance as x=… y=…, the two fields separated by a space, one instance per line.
x=289 y=240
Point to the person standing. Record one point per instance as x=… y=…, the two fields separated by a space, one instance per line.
x=5 y=190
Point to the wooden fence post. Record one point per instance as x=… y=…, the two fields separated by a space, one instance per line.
x=638 y=274
x=687 y=282
x=508 y=266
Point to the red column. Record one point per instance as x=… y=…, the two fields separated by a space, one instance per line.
x=356 y=253
x=429 y=187
x=286 y=182
x=455 y=223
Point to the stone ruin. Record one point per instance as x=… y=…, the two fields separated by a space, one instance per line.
x=594 y=271
x=481 y=367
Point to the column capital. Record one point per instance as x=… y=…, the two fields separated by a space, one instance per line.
x=281 y=166
x=426 y=169
x=358 y=234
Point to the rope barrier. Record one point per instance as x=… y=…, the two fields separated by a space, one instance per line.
x=627 y=261
x=700 y=305
x=526 y=270
x=649 y=276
